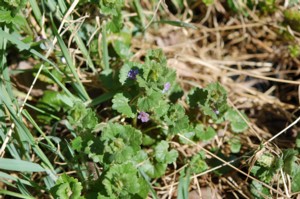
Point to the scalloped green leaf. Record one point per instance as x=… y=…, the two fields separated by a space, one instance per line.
x=235 y=145
x=237 y=124
x=206 y=135
x=120 y=104
x=67 y=187
x=163 y=155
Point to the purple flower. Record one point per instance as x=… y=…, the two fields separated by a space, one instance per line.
x=133 y=73
x=143 y=116
x=167 y=86
x=217 y=112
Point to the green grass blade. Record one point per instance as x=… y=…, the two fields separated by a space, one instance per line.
x=41 y=111
x=49 y=74
x=154 y=195
x=29 y=118
x=78 y=40
x=52 y=149
x=62 y=6
x=22 y=188
x=34 y=52
x=104 y=47
x=85 y=53
x=139 y=11
x=21 y=137
x=20 y=45
x=13 y=178
x=49 y=182
x=183 y=186
x=80 y=169
x=36 y=11
x=19 y=165
x=23 y=132
x=11 y=147
x=7 y=83
x=77 y=85
x=3 y=64
x=23 y=46
x=3 y=132
x=8 y=183
x=52 y=6
x=102 y=98
x=15 y=195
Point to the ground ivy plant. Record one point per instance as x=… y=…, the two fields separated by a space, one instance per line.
x=134 y=145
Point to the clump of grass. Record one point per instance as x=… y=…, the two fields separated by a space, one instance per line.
x=117 y=119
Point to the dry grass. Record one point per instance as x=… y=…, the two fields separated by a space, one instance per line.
x=251 y=59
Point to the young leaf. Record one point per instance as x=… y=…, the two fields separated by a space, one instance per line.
x=155 y=70
x=266 y=160
x=155 y=169
x=180 y=126
x=212 y=100
x=120 y=104
x=82 y=117
x=267 y=166
x=53 y=101
x=199 y=131
x=131 y=136
x=67 y=187
x=148 y=140
x=198 y=163
x=289 y=160
x=175 y=114
x=122 y=181
x=207 y=135
x=150 y=101
x=5 y=16
x=235 y=145
x=122 y=49
x=237 y=123
x=161 y=108
x=117 y=144
x=258 y=190
x=197 y=97
x=77 y=143
x=296 y=179
x=189 y=135
x=90 y=120
x=163 y=155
